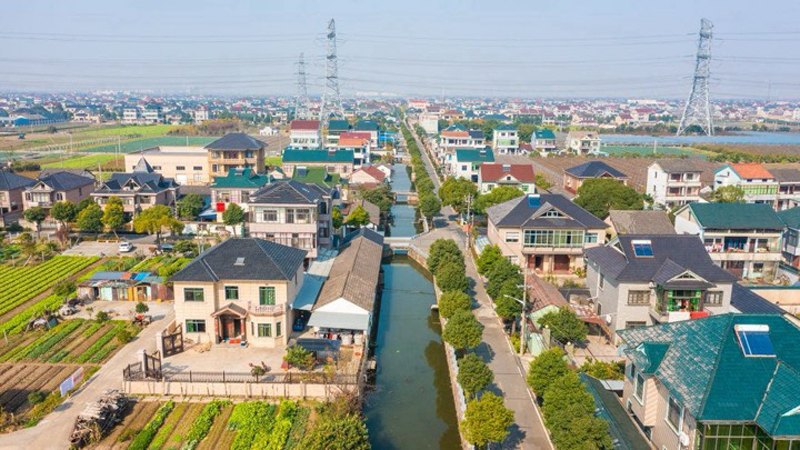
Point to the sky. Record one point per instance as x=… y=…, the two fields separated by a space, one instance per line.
x=498 y=48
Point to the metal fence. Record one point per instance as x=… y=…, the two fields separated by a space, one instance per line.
x=134 y=373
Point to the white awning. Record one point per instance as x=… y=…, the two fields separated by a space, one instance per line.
x=339 y=321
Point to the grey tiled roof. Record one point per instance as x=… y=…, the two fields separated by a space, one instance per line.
x=10 y=181
x=354 y=275
x=641 y=222
x=518 y=212
x=748 y=302
x=593 y=169
x=65 y=181
x=148 y=182
x=288 y=192
x=678 y=165
x=263 y=260
x=236 y=141
x=787 y=175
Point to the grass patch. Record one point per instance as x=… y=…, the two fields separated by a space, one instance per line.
x=84 y=162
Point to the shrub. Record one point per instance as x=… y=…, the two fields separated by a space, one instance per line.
x=442 y=248
x=473 y=374
x=452 y=301
x=142 y=308
x=36 y=397
x=604 y=370
x=299 y=357
x=490 y=256
x=124 y=336
x=545 y=368
x=568 y=410
x=101 y=316
x=451 y=277
x=564 y=325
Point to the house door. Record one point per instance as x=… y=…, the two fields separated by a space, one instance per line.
x=561 y=263
x=536 y=262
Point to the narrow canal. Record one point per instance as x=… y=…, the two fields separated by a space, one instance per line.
x=403 y=216
x=412 y=405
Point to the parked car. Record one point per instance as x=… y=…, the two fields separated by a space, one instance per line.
x=125 y=247
x=166 y=247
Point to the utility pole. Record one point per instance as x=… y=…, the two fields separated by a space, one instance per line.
x=331 y=97
x=698 y=108
x=523 y=326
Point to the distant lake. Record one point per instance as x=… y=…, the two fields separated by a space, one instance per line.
x=743 y=137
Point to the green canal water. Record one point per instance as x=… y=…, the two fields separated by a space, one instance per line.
x=412 y=404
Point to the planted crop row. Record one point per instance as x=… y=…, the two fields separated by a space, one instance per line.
x=203 y=423
x=21 y=283
x=97 y=346
x=18 y=351
x=54 y=339
x=251 y=420
x=283 y=425
x=20 y=320
x=143 y=439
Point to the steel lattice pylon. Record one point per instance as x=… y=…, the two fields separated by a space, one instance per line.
x=698 y=108
x=331 y=98
x=301 y=100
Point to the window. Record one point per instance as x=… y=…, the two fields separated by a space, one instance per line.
x=601 y=281
x=195 y=326
x=156 y=167
x=180 y=168
x=553 y=238
x=714 y=298
x=269 y=215
x=512 y=236
x=553 y=213
x=289 y=216
x=231 y=293
x=197 y=168
x=674 y=415
x=303 y=216
x=266 y=295
x=635 y=324
x=265 y=330
x=590 y=238
x=638 y=391
x=193 y=294
x=638 y=298
x=642 y=249
x=278 y=329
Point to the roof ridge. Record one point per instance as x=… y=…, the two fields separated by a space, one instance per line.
x=764 y=397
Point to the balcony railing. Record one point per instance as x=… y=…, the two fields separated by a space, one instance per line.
x=267 y=310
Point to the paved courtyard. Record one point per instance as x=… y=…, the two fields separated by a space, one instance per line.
x=122 y=310
x=201 y=358
x=98 y=248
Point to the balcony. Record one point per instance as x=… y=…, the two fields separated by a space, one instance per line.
x=267 y=310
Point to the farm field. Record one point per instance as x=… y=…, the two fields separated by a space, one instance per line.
x=645 y=150
x=86 y=162
x=208 y=426
x=129 y=130
x=142 y=144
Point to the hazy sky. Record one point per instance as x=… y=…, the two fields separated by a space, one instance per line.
x=564 y=48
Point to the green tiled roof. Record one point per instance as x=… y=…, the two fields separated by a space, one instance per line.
x=705 y=369
x=544 y=134
x=291 y=155
x=506 y=128
x=318 y=175
x=338 y=125
x=790 y=217
x=472 y=155
x=736 y=216
x=366 y=125
x=239 y=178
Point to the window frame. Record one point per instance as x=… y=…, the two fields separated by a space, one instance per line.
x=636 y=384
x=637 y=292
x=232 y=289
x=266 y=289
x=195 y=324
x=719 y=294
x=267 y=327
x=193 y=290
x=681 y=410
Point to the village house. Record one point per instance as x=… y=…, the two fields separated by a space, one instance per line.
x=467 y=162
x=505 y=140
x=367 y=176
x=638 y=280
x=304 y=134
x=673 y=182
x=520 y=176
x=235 y=151
x=758 y=184
x=583 y=142
x=639 y=222
x=336 y=127
x=239 y=291
x=742 y=238
x=294 y=214
x=727 y=381
x=57 y=187
x=575 y=176
x=186 y=165
x=544 y=141
x=371 y=127
x=359 y=143
x=791 y=236
x=236 y=187
x=788 y=187
x=340 y=162
x=12 y=187
x=140 y=189
x=546 y=233
x=124 y=286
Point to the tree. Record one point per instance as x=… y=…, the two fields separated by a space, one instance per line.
x=603 y=370
x=541 y=182
x=156 y=219
x=473 y=374
x=185 y=246
x=336 y=217
x=91 y=218
x=64 y=288
x=462 y=331
x=455 y=191
x=728 y=194
x=429 y=205
x=340 y=433
x=84 y=203
x=381 y=196
x=441 y=250
x=64 y=212
x=490 y=256
x=190 y=206
x=452 y=301
x=565 y=326
x=36 y=214
x=546 y=368
x=496 y=196
x=114 y=215
x=233 y=216
x=358 y=217
x=141 y=308
x=502 y=271
x=486 y=420
x=600 y=195
x=505 y=304
x=299 y=357
x=568 y=409
x=451 y=277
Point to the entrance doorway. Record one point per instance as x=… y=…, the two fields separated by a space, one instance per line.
x=561 y=263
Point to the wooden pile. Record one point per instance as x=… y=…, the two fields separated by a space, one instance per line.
x=99 y=417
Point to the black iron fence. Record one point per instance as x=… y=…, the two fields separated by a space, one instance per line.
x=134 y=373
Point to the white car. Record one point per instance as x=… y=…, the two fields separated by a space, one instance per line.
x=125 y=247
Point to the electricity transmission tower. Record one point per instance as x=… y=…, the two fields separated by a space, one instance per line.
x=301 y=100
x=331 y=99
x=698 y=110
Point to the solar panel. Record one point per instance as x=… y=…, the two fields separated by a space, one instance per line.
x=642 y=248
x=534 y=201
x=754 y=340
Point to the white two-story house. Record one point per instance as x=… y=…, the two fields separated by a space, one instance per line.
x=758 y=184
x=673 y=182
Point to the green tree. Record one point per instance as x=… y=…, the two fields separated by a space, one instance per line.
x=568 y=409
x=358 y=217
x=473 y=374
x=541 y=182
x=381 y=196
x=36 y=214
x=603 y=370
x=452 y=301
x=91 y=218
x=336 y=217
x=455 y=191
x=496 y=196
x=190 y=206
x=156 y=219
x=600 y=195
x=463 y=331
x=728 y=194
x=64 y=288
x=299 y=357
x=505 y=305
x=546 y=368
x=141 y=308
x=486 y=420
x=490 y=256
x=341 y=433
x=64 y=212
x=429 y=205
x=84 y=203
x=185 y=246
x=443 y=250
x=233 y=216
x=450 y=276
x=502 y=271
x=565 y=326
x=114 y=215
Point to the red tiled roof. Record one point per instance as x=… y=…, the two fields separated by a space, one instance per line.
x=493 y=172
x=454 y=133
x=751 y=170
x=525 y=146
x=304 y=125
x=374 y=172
x=352 y=142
